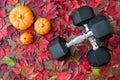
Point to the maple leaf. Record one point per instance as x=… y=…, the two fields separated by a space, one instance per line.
x=115 y=59
x=18 y=52
x=3 y=34
x=74 y=74
x=56 y=26
x=49 y=36
x=7 y=50
x=61 y=12
x=13 y=33
x=114 y=41
x=12 y=2
x=42 y=75
x=2 y=23
x=63 y=75
x=28 y=72
x=91 y=3
x=30 y=48
x=76 y=4
x=2 y=13
x=39 y=3
x=72 y=65
x=29 y=3
x=76 y=31
x=65 y=20
x=43 y=56
x=84 y=65
x=2 y=3
x=3 y=67
x=117 y=50
x=43 y=44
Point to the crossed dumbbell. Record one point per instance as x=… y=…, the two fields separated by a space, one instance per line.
x=96 y=28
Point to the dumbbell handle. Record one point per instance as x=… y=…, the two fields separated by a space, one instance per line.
x=79 y=39
x=92 y=40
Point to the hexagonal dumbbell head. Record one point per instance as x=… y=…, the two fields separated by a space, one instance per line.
x=100 y=27
x=82 y=15
x=58 y=49
x=98 y=57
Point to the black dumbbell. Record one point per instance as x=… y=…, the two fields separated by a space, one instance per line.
x=59 y=49
x=100 y=27
x=58 y=46
x=98 y=57
x=82 y=15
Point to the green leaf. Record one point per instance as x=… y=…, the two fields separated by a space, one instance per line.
x=53 y=77
x=9 y=61
x=96 y=72
x=19 y=4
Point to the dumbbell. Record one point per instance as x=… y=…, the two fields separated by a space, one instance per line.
x=58 y=46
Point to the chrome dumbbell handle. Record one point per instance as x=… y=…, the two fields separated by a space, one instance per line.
x=92 y=39
x=79 y=39
x=87 y=35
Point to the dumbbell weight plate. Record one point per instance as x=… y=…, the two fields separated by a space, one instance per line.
x=100 y=27
x=58 y=49
x=98 y=57
x=82 y=15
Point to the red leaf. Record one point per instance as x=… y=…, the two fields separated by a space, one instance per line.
x=118 y=22
x=2 y=3
x=29 y=3
x=91 y=3
x=58 y=63
x=74 y=74
x=65 y=20
x=117 y=50
x=77 y=32
x=30 y=48
x=43 y=56
x=2 y=53
x=115 y=59
x=83 y=50
x=30 y=30
x=117 y=77
x=84 y=65
x=12 y=2
x=2 y=23
x=13 y=33
x=2 y=13
x=68 y=30
x=49 y=36
x=114 y=41
x=63 y=75
x=43 y=44
x=72 y=65
x=3 y=34
x=7 y=50
x=3 y=68
x=39 y=3
x=61 y=12
x=76 y=4
x=56 y=26
x=18 y=53
x=42 y=75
